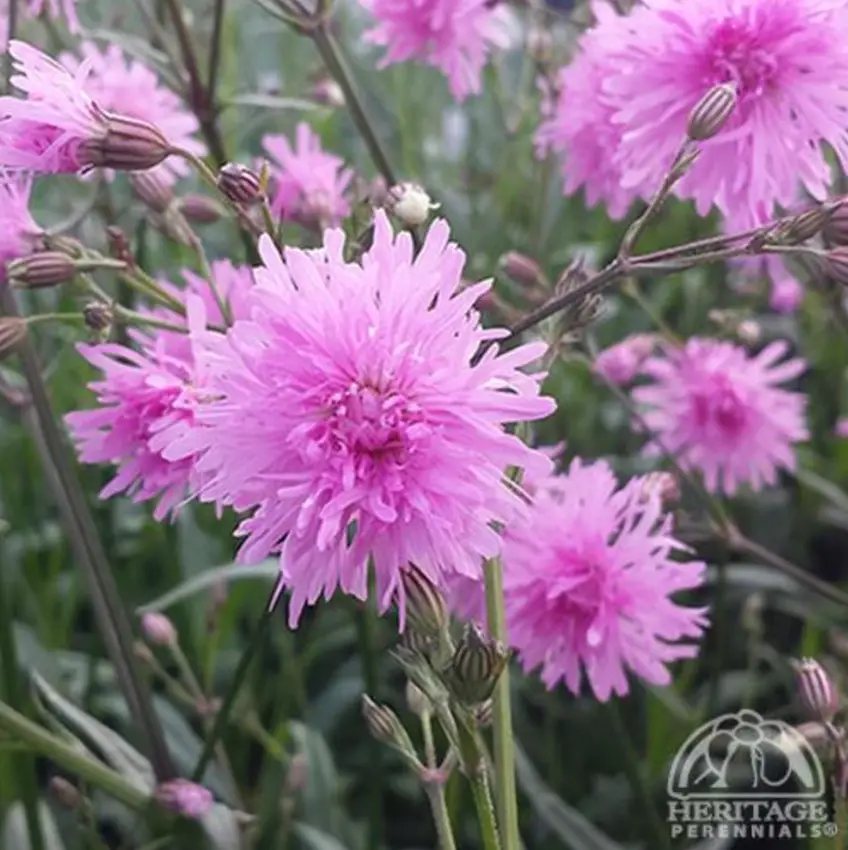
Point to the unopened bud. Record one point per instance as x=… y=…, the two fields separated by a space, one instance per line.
x=476 y=666
x=240 y=184
x=378 y=192
x=711 y=112
x=128 y=145
x=152 y=190
x=142 y=652
x=416 y=699
x=661 y=485
x=837 y=264
x=816 y=690
x=807 y=224
x=37 y=271
x=297 y=773
x=385 y=726
x=185 y=798
x=66 y=793
x=749 y=331
x=522 y=269
x=98 y=316
x=483 y=713
x=329 y=92
x=119 y=246
x=172 y=223
x=836 y=230
x=426 y=612
x=13 y=332
x=410 y=203
x=158 y=629
x=200 y=209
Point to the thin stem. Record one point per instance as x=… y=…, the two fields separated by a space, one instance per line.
x=70 y=318
x=66 y=756
x=485 y=809
x=108 y=606
x=333 y=59
x=502 y=717
x=223 y=714
x=206 y=271
x=434 y=787
x=215 y=52
x=633 y=769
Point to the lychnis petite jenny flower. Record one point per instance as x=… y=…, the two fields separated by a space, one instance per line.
x=454 y=36
x=58 y=128
x=19 y=234
x=721 y=411
x=347 y=413
x=144 y=397
x=589 y=579
x=120 y=84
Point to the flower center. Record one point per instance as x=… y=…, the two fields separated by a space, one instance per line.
x=736 y=54
x=721 y=408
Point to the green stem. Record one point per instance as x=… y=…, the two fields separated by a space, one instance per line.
x=223 y=714
x=633 y=769
x=108 y=607
x=26 y=776
x=502 y=716
x=70 y=759
x=206 y=271
x=215 y=52
x=484 y=807
x=434 y=788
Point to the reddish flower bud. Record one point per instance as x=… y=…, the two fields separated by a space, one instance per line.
x=13 y=332
x=816 y=690
x=158 y=629
x=119 y=246
x=711 y=112
x=127 y=145
x=152 y=190
x=522 y=269
x=200 y=209
x=426 y=611
x=67 y=795
x=807 y=224
x=185 y=798
x=239 y=184
x=98 y=316
x=836 y=230
x=327 y=91
x=36 y=271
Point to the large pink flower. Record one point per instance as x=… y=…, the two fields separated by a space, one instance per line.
x=589 y=580
x=118 y=83
x=146 y=396
x=721 y=411
x=454 y=36
x=347 y=413
x=310 y=183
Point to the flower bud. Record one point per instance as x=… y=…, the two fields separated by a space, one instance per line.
x=426 y=612
x=836 y=230
x=13 y=332
x=522 y=269
x=185 y=798
x=200 y=209
x=119 y=246
x=327 y=91
x=297 y=773
x=152 y=190
x=749 y=331
x=410 y=203
x=662 y=485
x=416 y=699
x=239 y=184
x=37 y=271
x=66 y=793
x=98 y=316
x=128 y=145
x=818 y=735
x=142 y=652
x=158 y=629
x=476 y=666
x=711 y=112
x=837 y=264
x=807 y=224
x=385 y=726
x=483 y=713
x=816 y=690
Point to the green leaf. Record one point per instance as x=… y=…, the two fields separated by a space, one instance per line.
x=95 y=736
x=268 y=571
x=315 y=839
x=564 y=821
x=221 y=828
x=272 y=101
x=15 y=834
x=827 y=489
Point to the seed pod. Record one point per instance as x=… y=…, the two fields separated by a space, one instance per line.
x=711 y=112
x=476 y=666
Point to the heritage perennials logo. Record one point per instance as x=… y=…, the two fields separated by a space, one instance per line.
x=740 y=776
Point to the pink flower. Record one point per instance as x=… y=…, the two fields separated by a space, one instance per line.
x=347 y=413
x=310 y=183
x=841 y=429
x=19 y=234
x=146 y=397
x=185 y=798
x=579 y=124
x=59 y=128
x=588 y=583
x=118 y=83
x=454 y=36
x=789 y=60
x=56 y=9
x=787 y=293
x=720 y=411
x=619 y=364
